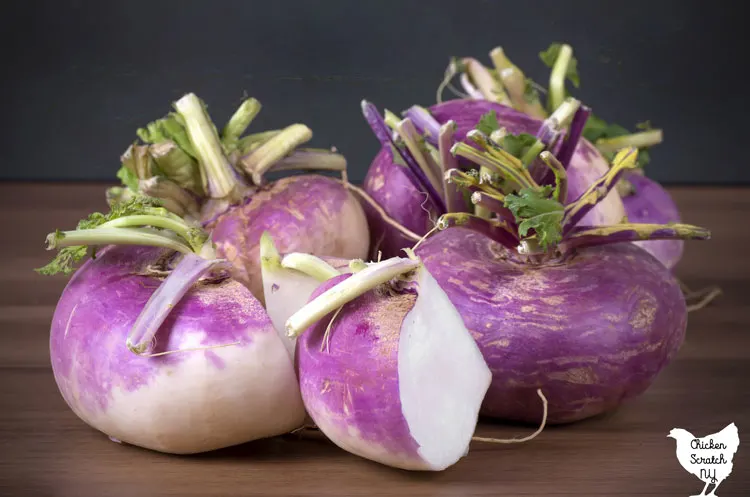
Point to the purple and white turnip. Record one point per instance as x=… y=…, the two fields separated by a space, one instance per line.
x=218 y=179
x=155 y=345
x=553 y=304
x=387 y=369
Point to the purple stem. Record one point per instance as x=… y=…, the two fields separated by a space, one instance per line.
x=425 y=123
x=575 y=132
x=589 y=236
x=383 y=134
x=163 y=300
x=453 y=199
x=495 y=205
x=496 y=230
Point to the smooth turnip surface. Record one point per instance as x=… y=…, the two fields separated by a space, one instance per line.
x=650 y=203
x=389 y=185
x=590 y=333
x=186 y=402
x=400 y=381
x=310 y=214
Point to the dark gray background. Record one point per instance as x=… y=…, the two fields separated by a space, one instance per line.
x=79 y=77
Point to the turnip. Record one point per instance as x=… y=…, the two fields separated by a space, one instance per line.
x=218 y=178
x=387 y=369
x=416 y=203
x=552 y=304
x=153 y=344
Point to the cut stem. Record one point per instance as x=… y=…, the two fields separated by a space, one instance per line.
x=239 y=122
x=500 y=231
x=310 y=265
x=452 y=195
x=193 y=236
x=114 y=236
x=221 y=180
x=259 y=161
x=490 y=87
x=346 y=291
x=178 y=166
x=515 y=84
x=250 y=143
x=624 y=160
x=425 y=123
x=561 y=176
x=491 y=162
x=411 y=138
x=558 y=75
x=495 y=204
x=165 y=189
x=471 y=90
x=312 y=159
x=638 y=140
x=574 y=135
x=601 y=235
x=189 y=270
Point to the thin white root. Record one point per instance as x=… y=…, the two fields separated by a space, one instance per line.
x=193 y=349
x=433 y=230
x=709 y=294
x=524 y=439
x=327 y=335
x=388 y=219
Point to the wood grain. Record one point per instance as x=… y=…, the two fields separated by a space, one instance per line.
x=45 y=450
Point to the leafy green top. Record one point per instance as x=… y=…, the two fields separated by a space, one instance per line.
x=137 y=205
x=534 y=209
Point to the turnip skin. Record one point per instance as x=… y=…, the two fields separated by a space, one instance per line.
x=181 y=403
x=311 y=214
x=361 y=383
x=651 y=203
x=591 y=332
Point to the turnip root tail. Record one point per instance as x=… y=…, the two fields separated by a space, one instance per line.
x=524 y=439
x=698 y=299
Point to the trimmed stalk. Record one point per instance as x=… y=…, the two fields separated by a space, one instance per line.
x=515 y=84
x=383 y=134
x=178 y=166
x=532 y=153
x=220 y=177
x=346 y=291
x=558 y=75
x=493 y=164
x=310 y=265
x=258 y=162
x=195 y=237
x=408 y=133
x=471 y=182
x=490 y=146
x=469 y=87
x=500 y=231
x=495 y=204
x=239 y=122
x=168 y=191
x=138 y=160
x=601 y=235
x=561 y=176
x=453 y=197
x=487 y=84
x=249 y=143
x=391 y=119
x=318 y=159
x=574 y=135
x=114 y=236
x=551 y=131
x=425 y=123
x=189 y=270
x=642 y=139
x=626 y=159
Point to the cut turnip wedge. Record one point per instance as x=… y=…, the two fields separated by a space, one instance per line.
x=387 y=369
x=290 y=280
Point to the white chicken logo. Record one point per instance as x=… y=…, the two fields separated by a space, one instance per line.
x=709 y=458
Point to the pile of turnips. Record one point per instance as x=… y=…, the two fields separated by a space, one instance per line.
x=492 y=266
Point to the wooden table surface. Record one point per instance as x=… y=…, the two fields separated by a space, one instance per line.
x=45 y=450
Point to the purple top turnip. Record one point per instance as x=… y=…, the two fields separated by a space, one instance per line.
x=387 y=369
x=153 y=344
x=218 y=179
x=554 y=305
